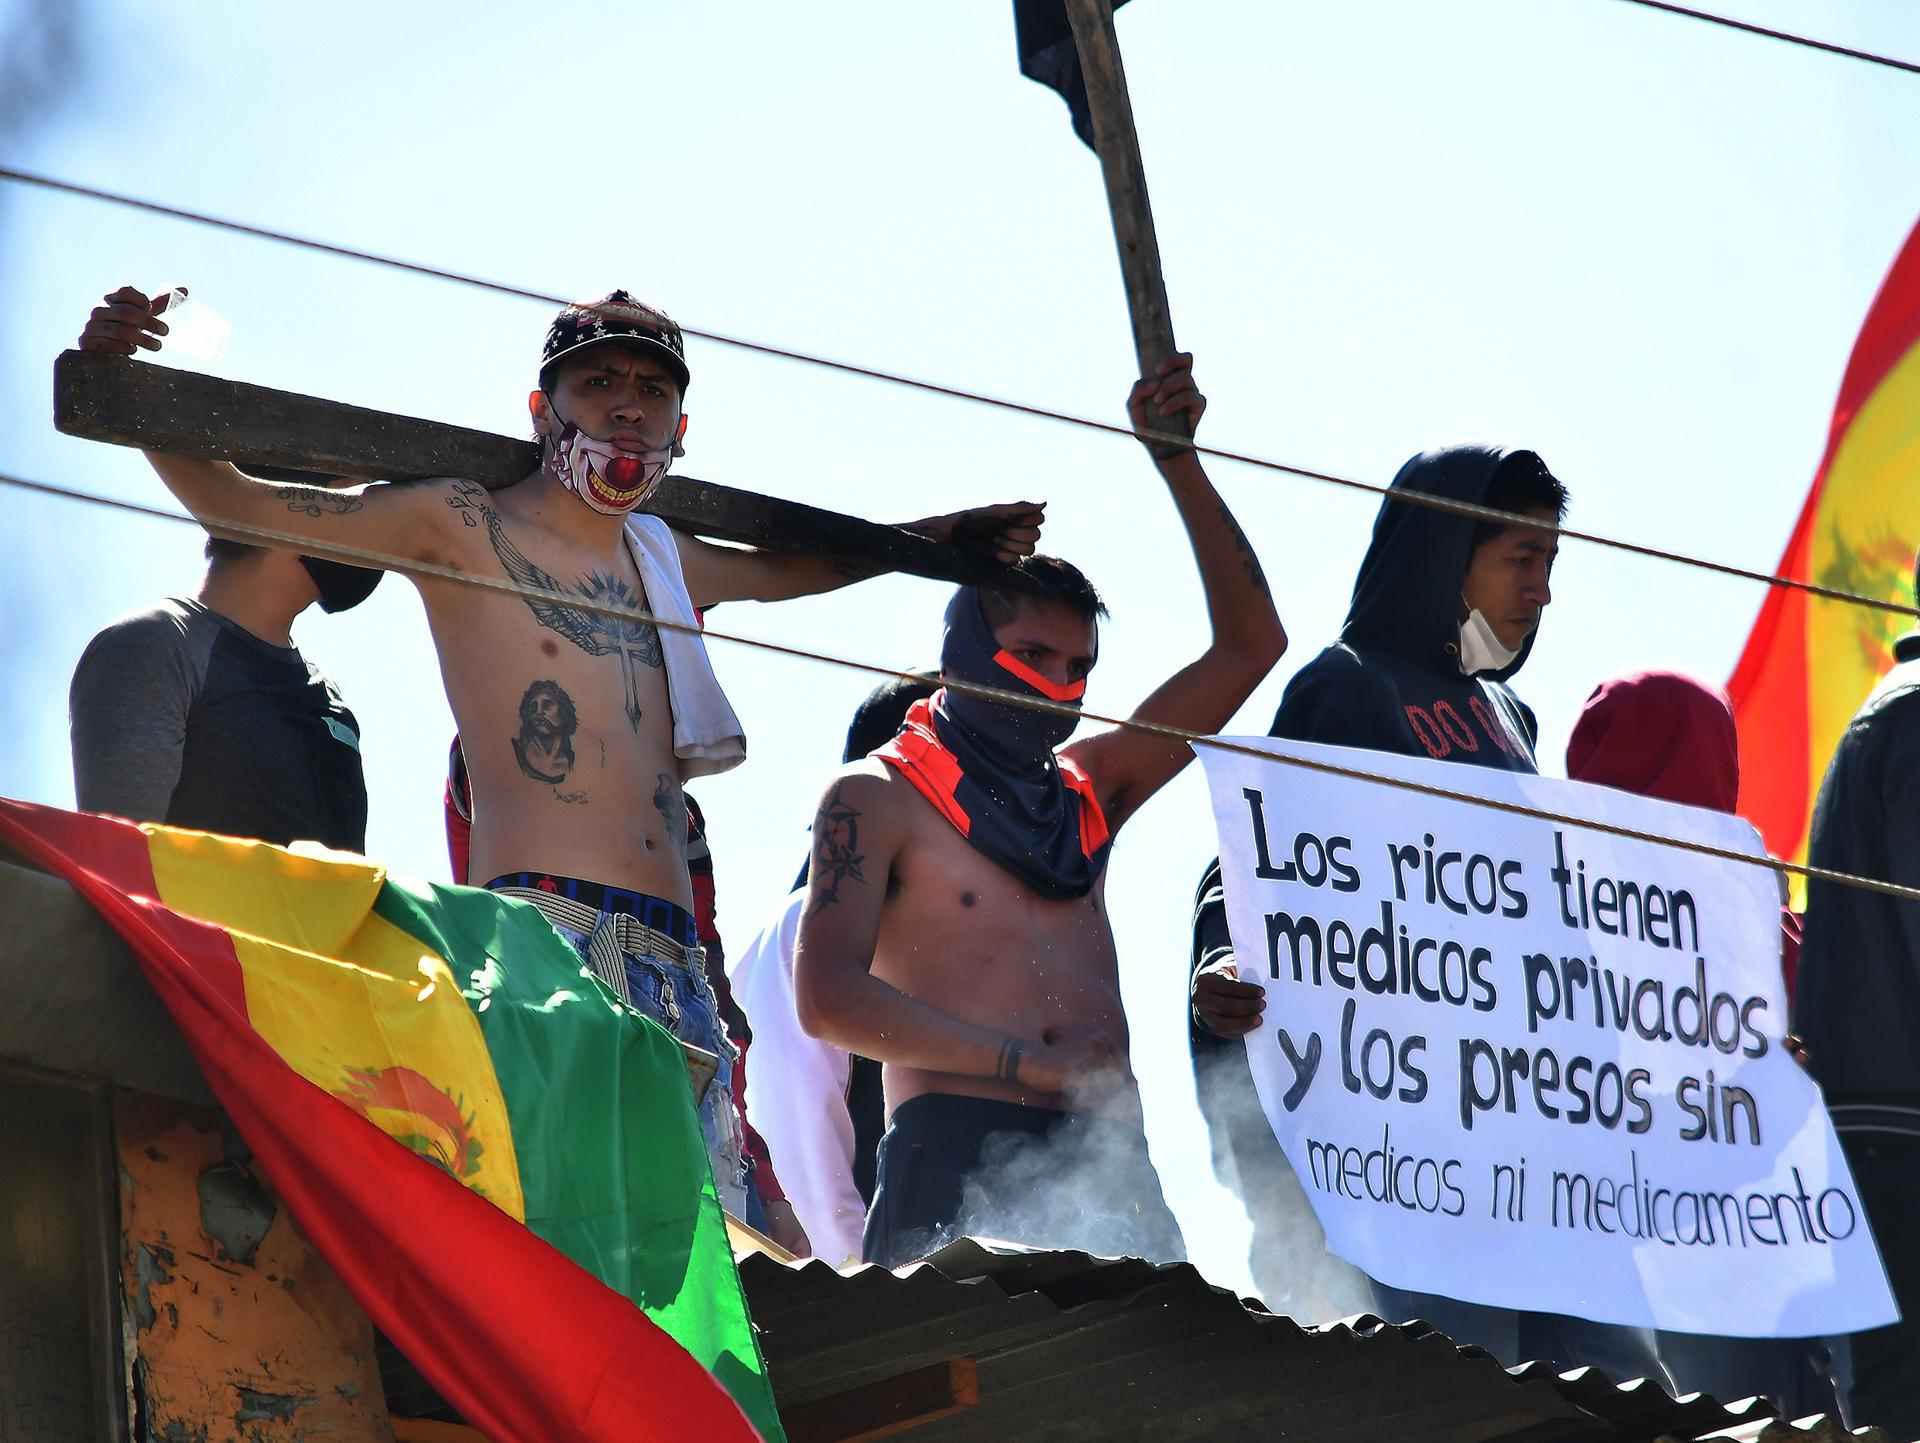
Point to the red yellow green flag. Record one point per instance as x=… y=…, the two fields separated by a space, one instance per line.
x=545 y=1242
x=1809 y=662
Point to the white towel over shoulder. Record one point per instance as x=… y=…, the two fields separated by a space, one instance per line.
x=707 y=736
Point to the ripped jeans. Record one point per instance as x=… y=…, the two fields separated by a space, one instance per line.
x=648 y=952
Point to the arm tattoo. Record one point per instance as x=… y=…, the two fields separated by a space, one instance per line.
x=469 y=498
x=1007 y=1069
x=672 y=808
x=636 y=643
x=855 y=570
x=316 y=501
x=1245 y=547
x=544 y=746
x=836 y=848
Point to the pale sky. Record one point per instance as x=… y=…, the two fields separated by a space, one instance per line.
x=1636 y=243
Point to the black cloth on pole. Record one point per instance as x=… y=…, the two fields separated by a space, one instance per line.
x=1048 y=55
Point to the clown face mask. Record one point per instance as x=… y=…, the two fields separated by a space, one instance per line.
x=609 y=479
x=611 y=445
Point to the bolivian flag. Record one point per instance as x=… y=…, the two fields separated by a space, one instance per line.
x=1810 y=662
x=503 y=1165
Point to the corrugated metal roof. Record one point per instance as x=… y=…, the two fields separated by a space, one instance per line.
x=1072 y=1347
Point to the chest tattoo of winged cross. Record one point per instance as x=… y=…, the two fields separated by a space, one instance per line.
x=636 y=643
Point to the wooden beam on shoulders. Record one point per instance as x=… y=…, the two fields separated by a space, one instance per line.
x=159 y=408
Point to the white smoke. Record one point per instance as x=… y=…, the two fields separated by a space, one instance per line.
x=1293 y=1272
x=1088 y=1185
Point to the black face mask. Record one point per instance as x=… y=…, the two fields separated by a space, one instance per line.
x=1001 y=784
x=341 y=587
x=1018 y=739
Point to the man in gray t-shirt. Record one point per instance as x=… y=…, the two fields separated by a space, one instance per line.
x=200 y=712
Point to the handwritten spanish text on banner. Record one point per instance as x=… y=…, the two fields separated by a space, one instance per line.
x=1532 y=1065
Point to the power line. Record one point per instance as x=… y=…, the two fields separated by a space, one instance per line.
x=1417 y=498
x=1871 y=57
x=312 y=546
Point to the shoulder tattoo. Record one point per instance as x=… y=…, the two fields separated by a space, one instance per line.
x=469 y=500
x=836 y=848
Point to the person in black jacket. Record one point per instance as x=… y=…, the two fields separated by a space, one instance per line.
x=1856 y=1004
x=1445 y=609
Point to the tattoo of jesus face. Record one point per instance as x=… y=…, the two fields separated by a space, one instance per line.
x=836 y=848
x=316 y=502
x=544 y=747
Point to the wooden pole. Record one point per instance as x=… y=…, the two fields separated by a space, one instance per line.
x=1126 y=177
x=158 y=408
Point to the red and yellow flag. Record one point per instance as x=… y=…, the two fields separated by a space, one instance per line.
x=1809 y=661
x=502 y=1164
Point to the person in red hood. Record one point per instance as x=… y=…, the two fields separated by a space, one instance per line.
x=1659 y=734
x=1664 y=735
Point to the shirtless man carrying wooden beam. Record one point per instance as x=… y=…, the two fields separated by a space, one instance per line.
x=579 y=728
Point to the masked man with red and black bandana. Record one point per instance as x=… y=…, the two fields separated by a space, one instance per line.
x=578 y=728
x=957 y=929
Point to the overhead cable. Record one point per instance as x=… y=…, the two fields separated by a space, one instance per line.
x=1871 y=57
x=314 y=546
x=1416 y=498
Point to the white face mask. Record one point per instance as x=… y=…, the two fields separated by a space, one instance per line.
x=608 y=479
x=1480 y=649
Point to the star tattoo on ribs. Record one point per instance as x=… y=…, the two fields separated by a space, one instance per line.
x=636 y=643
x=669 y=803
x=836 y=848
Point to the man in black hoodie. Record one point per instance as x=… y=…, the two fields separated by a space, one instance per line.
x=1856 y=1003
x=1445 y=609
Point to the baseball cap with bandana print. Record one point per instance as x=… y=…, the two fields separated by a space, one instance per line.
x=616 y=316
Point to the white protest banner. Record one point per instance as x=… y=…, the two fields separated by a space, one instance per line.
x=1532 y=1065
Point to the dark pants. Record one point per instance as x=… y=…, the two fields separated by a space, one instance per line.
x=1883 y=1389
x=953 y=1167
